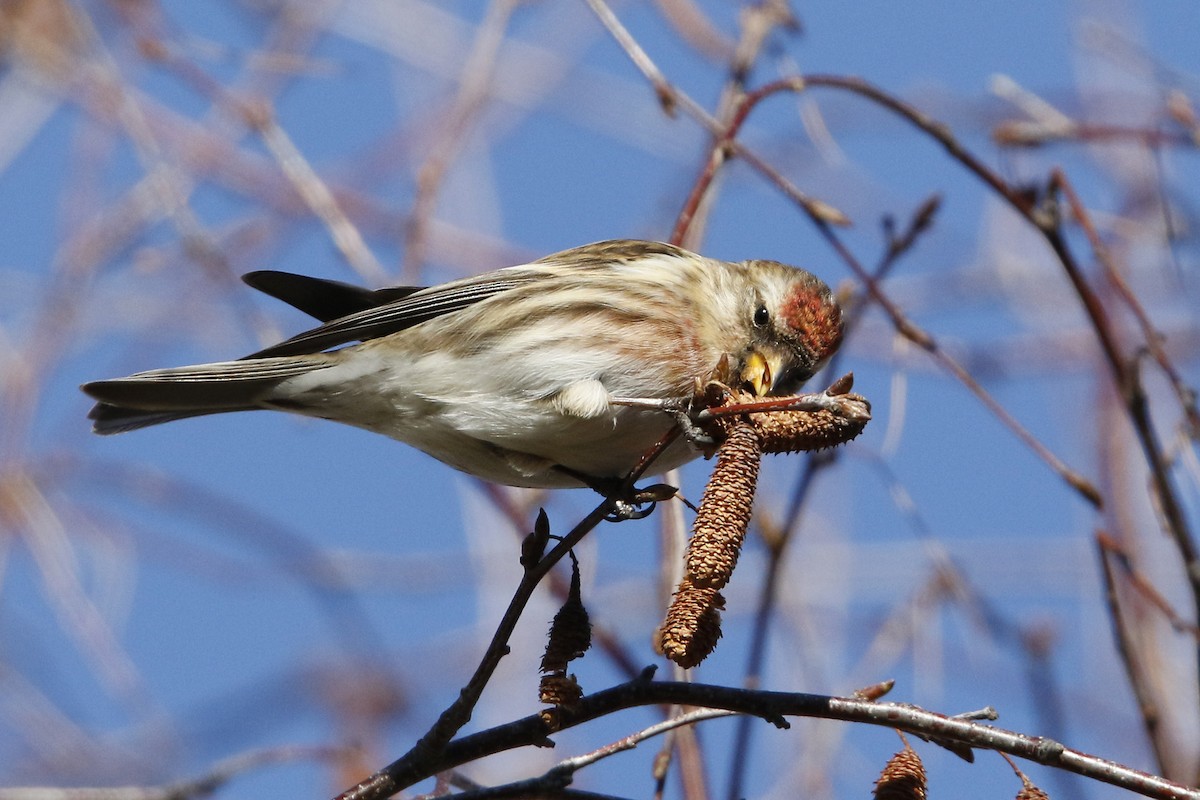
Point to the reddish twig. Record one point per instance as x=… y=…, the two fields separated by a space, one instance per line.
x=1023 y=133
x=1113 y=550
x=1152 y=337
x=903 y=325
x=1139 y=681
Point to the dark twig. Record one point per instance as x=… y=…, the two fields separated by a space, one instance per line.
x=563 y=772
x=553 y=782
x=775 y=707
x=396 y=775
x=725 y=144
x=756 y=23
x=1128 y=383
x=606 y=639
x=431 y=746
x=673 y=98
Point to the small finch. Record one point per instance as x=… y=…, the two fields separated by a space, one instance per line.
x=541 y=375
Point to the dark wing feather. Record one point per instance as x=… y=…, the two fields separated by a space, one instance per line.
x=418 y=307
x=324 y=299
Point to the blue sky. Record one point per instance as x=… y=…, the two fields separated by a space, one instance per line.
x=182 y=594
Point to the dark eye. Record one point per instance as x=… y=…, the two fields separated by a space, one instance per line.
x=762 y=317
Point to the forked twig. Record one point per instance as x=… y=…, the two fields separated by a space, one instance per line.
x=432 y=745
x=824 y=216
x=775 y=707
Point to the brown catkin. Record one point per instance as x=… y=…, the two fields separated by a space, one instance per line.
x=1031 y=792
x=796 y=431
x=724 y=513
x=903 y=778
x=693 y=624
x=558 y=689
x=570 y=632
x=802 y=431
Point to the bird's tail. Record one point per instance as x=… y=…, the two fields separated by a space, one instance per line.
x=162 y=395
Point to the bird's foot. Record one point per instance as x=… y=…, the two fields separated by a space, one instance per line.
x=682 y=409
x=629 y=502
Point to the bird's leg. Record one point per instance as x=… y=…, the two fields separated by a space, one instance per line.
x=678 y=407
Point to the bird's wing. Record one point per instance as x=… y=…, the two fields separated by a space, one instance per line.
x=352 y=314
x=397 y=315
x=324 y=299
x=612 y=252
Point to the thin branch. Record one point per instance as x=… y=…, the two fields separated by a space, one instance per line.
x=1139 y=682
x=576 y=763
x=824 y=216
x=903 y=325
x=553 y=782
x=756 y=22
x=220 y=774
x=775 y=707
x=672 y=97
x=476 y=80
x=668 y=95
x=604 y=637
x=430 y=746
x=304 y=179
x=1142 y=584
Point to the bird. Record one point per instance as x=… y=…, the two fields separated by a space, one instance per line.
x=550 y=374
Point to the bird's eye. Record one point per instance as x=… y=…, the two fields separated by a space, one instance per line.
x=762 y=317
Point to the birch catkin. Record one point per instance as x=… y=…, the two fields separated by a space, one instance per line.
x=724 y=514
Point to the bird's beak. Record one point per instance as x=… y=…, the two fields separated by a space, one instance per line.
x=758 y=373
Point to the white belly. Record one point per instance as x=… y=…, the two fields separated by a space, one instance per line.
x=516 y=432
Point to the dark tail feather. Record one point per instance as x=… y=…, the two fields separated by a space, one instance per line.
x=151 y=398
x=107 y=420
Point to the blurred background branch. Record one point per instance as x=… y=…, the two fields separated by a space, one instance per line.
x=288 y=605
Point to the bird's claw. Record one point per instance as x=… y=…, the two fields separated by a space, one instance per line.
x=640 y=503
x=623 y=510
x=628 y=502
x=694 y=433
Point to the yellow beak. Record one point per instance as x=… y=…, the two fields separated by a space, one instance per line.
x=758 y=374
